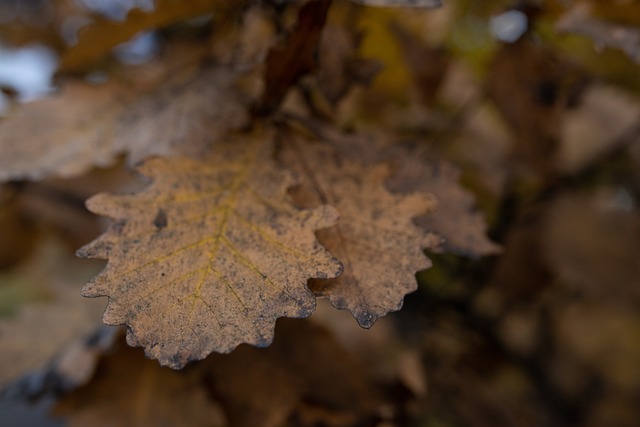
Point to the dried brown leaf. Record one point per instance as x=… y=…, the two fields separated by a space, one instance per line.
x=375 y=238
x=456 y=218
x=41 y=311
x=183 y=118
x=129 y=390
x=64 y=134
x=73 y=365
x=209 y=255
x=85 y=125
x=299 y=371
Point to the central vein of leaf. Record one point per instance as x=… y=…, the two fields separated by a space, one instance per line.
x=228 y=207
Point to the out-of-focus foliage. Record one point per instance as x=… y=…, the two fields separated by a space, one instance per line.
x=522 y=118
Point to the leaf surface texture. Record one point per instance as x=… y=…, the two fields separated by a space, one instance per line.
x=209 y=255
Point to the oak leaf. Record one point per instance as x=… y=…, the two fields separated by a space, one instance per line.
x=376 y=239
x=457 y=220
x=414 y=170
x=62 y=135
x=86 y=125
x=210 y=254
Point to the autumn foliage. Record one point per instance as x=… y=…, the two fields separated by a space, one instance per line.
x=267 y=160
